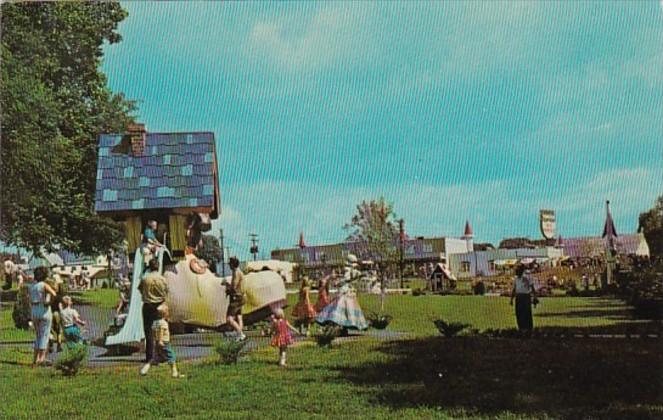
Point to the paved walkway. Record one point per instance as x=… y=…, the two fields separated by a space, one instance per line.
x=201 y=344
x=187 y=346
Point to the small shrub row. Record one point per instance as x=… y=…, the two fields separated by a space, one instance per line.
x=449 y=329
x=326 y=335
x=72 y=360
x=229 y=351
x=379 y=321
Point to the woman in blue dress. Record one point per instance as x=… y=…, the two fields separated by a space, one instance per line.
x=42 y=318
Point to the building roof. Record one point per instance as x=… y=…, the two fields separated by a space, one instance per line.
x=468 y=230
x=414 y=249
x=595 y=246
x=175 y=170
x=609 y=229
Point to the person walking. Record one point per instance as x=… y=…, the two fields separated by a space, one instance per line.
x=525 y=295
x=40 y=295
x=163 y=351
x=234 y=291
x=154 y=290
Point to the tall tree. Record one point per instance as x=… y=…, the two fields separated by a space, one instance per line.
x=651 y=225
x=55 y=103
x=374 y=228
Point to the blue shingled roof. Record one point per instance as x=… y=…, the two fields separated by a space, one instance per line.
x=176 y=170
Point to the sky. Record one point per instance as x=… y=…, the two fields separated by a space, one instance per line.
x=451 y=111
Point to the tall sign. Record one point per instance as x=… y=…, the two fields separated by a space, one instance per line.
x=547 y=223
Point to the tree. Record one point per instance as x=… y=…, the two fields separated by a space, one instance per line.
x=374 y=229
x=651 y=225
x=55 y=103
x=210 y=251
x=513 y=243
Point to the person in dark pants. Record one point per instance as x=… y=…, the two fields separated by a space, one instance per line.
x=154 y=290
x=524 y=293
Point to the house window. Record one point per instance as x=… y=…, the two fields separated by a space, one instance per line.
x=491 y=265
x=465 y=266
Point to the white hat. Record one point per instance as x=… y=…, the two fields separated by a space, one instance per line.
x=351 y=259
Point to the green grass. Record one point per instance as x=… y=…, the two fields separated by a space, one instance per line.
x=105 y=298
x=414 y=314
x=7 y=330
x=423 y=378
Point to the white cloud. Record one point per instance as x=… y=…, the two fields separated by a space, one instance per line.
x=333 y=36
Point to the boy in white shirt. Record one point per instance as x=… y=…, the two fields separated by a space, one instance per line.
x=70 y=321
x=162 y=349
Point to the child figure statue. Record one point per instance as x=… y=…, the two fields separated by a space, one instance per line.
x=304 y=311
x=344 y=310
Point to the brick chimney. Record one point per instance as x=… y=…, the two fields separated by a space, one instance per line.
x=138 y=136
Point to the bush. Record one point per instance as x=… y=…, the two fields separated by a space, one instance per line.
x=326 y=335
x=449 y=329
x=480 y=288
x=379 y=321
x=229 y=351
x=643 y=289
x=418 y=292
x=22 y=312
x=72 y=360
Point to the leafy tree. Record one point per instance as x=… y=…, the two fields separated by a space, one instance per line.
x=211 y=251
x=513 y=243
x=55 y=102
x=651 y=225
x=374 y=228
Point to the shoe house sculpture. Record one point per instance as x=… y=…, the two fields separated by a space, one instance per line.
x=172 y=178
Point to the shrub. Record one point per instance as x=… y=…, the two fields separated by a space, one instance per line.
x=326 y=335
x=418 y=292
x=72 y=360
x=480 y=288
x=643 y=289
x=264 y=327
x=22 y=309
x=229 y=351
x=379 y=321
x=449 y=329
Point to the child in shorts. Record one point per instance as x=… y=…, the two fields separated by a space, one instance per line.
x=162 y=349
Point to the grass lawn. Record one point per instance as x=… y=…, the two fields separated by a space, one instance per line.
x=419 y=378
x=105 y=298
x=424 y=376
x=7 y=330
x=414 y=314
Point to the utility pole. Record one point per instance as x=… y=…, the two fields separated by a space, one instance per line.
x=228 y=252
x=223 y=254
x=401 y=240
x=254 y=245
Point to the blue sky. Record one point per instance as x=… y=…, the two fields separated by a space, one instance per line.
x=449 y=110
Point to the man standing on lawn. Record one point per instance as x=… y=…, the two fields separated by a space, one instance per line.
x=525 y=296
x=154 y=290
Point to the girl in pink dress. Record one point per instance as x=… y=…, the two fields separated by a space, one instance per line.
x=282 y=337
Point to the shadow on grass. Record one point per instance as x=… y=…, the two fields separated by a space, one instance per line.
x=565 y=378
x=611 y=314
